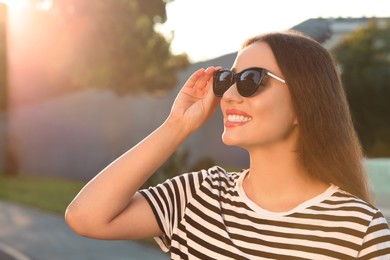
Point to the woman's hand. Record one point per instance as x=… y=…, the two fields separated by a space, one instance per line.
x=195 y=102
x=108 y=203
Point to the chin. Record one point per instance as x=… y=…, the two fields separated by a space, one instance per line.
x=231 y=141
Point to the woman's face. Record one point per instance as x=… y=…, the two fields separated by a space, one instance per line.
x=267 y=117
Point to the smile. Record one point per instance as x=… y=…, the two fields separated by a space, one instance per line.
x=238 y=118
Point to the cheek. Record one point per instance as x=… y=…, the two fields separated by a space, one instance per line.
x=275 y=119
x=279 y=105
x=281 y=115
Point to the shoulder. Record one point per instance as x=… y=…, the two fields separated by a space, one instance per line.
x=219 y=176
x=344 y=197
x=192 y=181
x=347 y=203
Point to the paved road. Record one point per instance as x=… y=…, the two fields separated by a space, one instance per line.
x=29 y=234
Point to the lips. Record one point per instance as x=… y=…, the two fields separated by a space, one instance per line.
x=236 y=117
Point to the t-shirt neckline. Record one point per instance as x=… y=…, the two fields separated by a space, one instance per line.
x=315 y=200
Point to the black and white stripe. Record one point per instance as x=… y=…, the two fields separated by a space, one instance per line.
x=206 y=215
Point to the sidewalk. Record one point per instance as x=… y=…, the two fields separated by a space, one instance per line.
x=30 y=234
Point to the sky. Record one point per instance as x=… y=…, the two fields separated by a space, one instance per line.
x=205 y=29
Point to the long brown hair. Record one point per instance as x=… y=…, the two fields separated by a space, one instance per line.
x=327 y=145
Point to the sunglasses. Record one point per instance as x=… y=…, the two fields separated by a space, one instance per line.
x=248 y=81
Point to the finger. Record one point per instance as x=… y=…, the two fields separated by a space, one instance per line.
x=193 y=79
x=210 y=100
x=206 y=77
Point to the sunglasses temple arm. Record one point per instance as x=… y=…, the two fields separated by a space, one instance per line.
x=275 y=77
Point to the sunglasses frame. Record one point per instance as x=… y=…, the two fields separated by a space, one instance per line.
x=236 y=76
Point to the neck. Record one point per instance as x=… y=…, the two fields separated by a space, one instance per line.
x=276 y=168
x=277 y=181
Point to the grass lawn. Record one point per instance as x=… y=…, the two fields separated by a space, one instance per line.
x=45 y=193
x=49 y=194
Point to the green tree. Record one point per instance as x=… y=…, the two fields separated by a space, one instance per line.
x=175 y=165
x=364 y=58
x=3 y=58
x=120 y=48
x=10 y=159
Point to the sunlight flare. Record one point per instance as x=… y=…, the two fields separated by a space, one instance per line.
x=16 y=4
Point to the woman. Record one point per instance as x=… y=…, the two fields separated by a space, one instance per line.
x=304 y=195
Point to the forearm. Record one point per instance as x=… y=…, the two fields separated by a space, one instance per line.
x=111 y=191
x=105 y=207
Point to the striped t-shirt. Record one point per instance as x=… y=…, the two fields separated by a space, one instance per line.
x=207 y=215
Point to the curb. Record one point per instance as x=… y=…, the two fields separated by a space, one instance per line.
x=12 y=252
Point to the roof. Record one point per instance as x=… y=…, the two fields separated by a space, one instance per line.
x=317 y=29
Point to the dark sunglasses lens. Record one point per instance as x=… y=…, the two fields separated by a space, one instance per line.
x=249 y=82
x=222 y=82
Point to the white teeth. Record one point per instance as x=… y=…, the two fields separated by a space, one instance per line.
x=238 y=118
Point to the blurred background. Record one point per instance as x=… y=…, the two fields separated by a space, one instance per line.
x=83 y=81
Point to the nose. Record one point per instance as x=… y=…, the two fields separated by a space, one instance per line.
x=232 y=95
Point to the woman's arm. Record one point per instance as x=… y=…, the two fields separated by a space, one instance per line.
x=376 y=242
x=109 y=207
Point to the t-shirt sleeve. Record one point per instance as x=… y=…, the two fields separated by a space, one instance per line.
x=169 y=200
x=376 y=243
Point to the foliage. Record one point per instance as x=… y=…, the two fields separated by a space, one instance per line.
x=114 y=45
x=3 y=58
x=364 y=58
x=203 y=163
x=178 y=164
x=175 y=165
x=40 y=192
